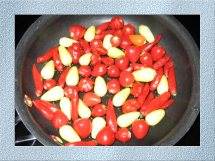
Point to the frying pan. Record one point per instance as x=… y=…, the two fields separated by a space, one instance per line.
x=47 y=30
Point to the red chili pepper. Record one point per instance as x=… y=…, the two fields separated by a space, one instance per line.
x=161 y=62
x=167 y=104
x=59 y=119
x=47 y=105
x=172 y=81
x=82 y=143
x=101 y=51
x=155 y=82
x=137 y=66
x=49 y=83
x=38 y=81
x=107 y=61
x=167 y=66
x=57 y=62
x=155 y=104
x=45 y=57
x=141 y=98
x=149 y=98
x=100 y=36
x=111 y=116
x=62 y=78
x=85 y=45
x=137 y=88
x=102 y=27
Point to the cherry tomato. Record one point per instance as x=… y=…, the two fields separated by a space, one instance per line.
x=107 y=61
x=133 y=53
x=85 y=45
x=49 y=83
x=137 y=66
x=91 y=99
x=113 y=86
x=85 y=85
x=115 y=41
x=96 y=44
x=83 y=127
x=100 y=51
x=113 y=71
x=102 y=27
x=126 y=78
x=123 y=135
x=95 y=59
x=117 y=22
x=99 y=70
x=140 y=128
x=99 y=110
x=130 y=106
x=68 y=91
x=136 y=89
x=146 y=59
x=137 y=40
x=84 y=71
x=157 y=52
x=125 y=42
x=76 y=31
x=128 y=29
x=59 y=119
x=105 y=136
x=76 y=52
x=122 y=63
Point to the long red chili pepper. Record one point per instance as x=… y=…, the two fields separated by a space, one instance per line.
x=172 y=81
x=49 y=83
x=167 y=66
x=82 y=143
x=62 y=78
x=155 y=82
x=74 y=101
x=102 y=27
x=167 y=104
x=149 y=98
x=161 y=62
x=47 y=105
x=155 y=104
x=45 y=57
x=141 y=98
x=38 y=81
x=111 y=116
x=57 y=62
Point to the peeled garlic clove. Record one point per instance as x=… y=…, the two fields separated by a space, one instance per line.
x=69 y=134
x=127 y=119
x=146 y=32
x=155 y=117
x=47 y=71
x=83 y=110
x=66 y=42
x=65 y=106
x=85 y=59
x=107 y=41
x=54 y=94
x=100 y=87
x=144 y=75
x=114 y=52
x=65 y=56
x=90 y=34
x=120 y=97
x=98 y=123
x=163 y=85
x=72 y=77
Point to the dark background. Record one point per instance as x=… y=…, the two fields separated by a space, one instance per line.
x=190 y=22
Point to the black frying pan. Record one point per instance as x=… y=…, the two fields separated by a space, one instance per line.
x=47 y=30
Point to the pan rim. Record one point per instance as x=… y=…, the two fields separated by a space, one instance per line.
x=192 y=109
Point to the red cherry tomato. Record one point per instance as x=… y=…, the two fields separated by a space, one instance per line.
x=128 y=29
x=137 y=40
x=102 y=27
x=95 y=59
x=126 y=78
x=96 y=44
x=91 y=99
x=99 y=110
x=84 y=71
x=59 y=119
x=125 y=42
x=76 y=52
x=85 y=45
x=49 y=83
x=122 y=63
x=68 y=91
x=105 y=136
x=113 y=71
x=123 y=135
x=99 y=70
x=137 y=66
x=136 y=89
x=140 y=128
x=133 y=53
x=83 y=127
x=107 y=61
x=115 y=41
x=85 y=85
x=130 y=106
x=146 y=59
x=76 y=31
x=117 y=22
x=113 y=86
x=157 y=52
